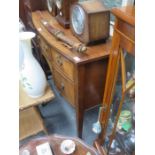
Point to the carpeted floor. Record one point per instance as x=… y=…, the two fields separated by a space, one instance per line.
x=59 y=118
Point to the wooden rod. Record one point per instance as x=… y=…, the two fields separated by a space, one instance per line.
x=122 y=34
x=116 y=121
x=123 y=71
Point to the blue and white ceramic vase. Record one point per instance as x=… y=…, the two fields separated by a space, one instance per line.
x=32 y=76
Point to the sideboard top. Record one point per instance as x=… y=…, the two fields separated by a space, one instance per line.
x=93 y=53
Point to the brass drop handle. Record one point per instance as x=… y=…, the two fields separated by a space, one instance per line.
x=46 y=48
x=59 y=60
x=38 y=38
x=46 y=52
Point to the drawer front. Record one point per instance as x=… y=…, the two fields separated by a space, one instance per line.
x=65 y=87
x=66 y=66
x=46 y=52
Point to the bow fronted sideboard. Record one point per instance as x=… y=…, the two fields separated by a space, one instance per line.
x=79 y=77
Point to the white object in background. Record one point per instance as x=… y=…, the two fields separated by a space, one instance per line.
x=67 y=146
x=97 y=126
x=127 y=2
x=44 y=149
x=32 y=76
x=21 y=26
x=111 y=28
x=26 y=152
x=21 y=55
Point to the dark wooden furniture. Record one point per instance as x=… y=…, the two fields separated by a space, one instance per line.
x=26 y=7
x=123 y=41
x=55 y=142
x=29 y=7
x=80 y=78
x=22 y=14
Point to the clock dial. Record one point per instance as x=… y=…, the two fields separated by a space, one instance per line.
x=49 y=5
x=59 y=4
x=78 y=18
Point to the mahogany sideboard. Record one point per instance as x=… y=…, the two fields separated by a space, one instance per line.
x=80 y=78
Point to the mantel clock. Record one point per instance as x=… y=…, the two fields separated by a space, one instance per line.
x=63 y=11
x=90 y=21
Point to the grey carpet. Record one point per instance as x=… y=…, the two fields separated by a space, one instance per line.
x=60 y=118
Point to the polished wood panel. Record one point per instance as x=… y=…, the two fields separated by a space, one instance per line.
x=82 y=73
x=93 y=53
x=95 y=74
x=65 y=65
x=65 y=87
x=26 y=102
x=55 y=142
x=45 y=51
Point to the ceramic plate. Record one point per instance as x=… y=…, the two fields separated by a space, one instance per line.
x=67 y=146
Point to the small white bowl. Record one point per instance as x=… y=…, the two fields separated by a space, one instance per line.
x=67 y=146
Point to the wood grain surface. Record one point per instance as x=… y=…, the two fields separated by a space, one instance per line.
x=25 y=101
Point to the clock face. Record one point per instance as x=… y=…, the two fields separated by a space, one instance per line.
x=49 y=5
x=59 y=4
x=77 y=19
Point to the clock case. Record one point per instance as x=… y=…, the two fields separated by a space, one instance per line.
x=63 y=14
x=53 y=6
x=97 y=22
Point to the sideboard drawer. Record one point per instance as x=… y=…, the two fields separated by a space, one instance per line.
x=46 y=51
x=65 y=87
x=45 y=48
x=66 y=66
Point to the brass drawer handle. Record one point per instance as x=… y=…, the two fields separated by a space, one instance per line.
x=45 y=48
x=38 y=38
x=59 y=60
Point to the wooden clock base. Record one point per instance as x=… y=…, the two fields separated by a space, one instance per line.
x=62 y=21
